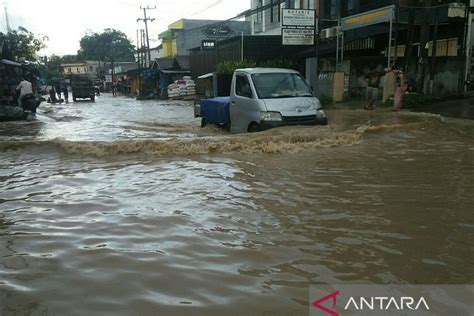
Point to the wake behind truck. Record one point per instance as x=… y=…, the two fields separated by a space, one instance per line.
x=263 y=98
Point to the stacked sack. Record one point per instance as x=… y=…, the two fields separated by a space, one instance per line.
x=190 y=86
x=182 y=88
x=173 y=91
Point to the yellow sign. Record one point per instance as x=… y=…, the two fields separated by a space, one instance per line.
x=368 y=18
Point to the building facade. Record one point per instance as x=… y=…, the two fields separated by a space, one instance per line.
x=91 y=69
x=268 y=22
x=186 y=34
x=429 y=42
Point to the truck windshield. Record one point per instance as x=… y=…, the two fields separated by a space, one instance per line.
x=280 y=85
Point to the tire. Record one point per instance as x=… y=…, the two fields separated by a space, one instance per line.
x=226 y=126
x=254 y=128
x=203 y=122
x=93 y=98
x=323 y=122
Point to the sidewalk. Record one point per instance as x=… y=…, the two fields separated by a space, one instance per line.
x=457 y=108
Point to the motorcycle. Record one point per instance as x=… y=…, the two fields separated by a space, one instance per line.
x=30 y=102
x=27 y=110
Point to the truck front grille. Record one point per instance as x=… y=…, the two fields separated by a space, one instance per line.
x=299 y=119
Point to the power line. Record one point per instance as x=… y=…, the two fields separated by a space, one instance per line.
x=216 y=3
x=146 y=19
x=190 y=33
x=243 y=14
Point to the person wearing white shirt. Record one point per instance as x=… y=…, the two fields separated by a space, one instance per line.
x=25 y=87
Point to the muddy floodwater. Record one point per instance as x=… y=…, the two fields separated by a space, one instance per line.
x=121 y=207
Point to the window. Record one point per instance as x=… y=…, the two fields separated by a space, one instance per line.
x=332 y=11
x=260 y=13
x=350 y=7
x=280 y=85
x=242 y=87
x=273 y=10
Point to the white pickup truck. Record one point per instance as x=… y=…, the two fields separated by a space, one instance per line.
x=263 y=98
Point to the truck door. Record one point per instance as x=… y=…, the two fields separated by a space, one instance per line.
x=243 y=107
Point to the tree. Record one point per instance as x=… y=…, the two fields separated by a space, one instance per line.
x=23 y=44
x=110 y=45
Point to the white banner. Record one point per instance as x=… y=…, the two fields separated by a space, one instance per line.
x=295 y=17
x=297 y=37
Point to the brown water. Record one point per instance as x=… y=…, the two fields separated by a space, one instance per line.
x=122 y=207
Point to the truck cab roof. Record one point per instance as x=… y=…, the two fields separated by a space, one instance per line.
x=257 y=70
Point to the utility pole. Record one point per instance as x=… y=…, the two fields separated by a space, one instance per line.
x=424 y=39
x=144 y=51
x=146 y=19
x=139 y=67
x=468 y=44
x=7 y=19
x=434 y=50
x=410 y=38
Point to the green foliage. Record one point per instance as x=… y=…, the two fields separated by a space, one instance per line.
x=228 y=67
x=279 y=63
x=23 y=45
x=110 y=45
x=50 y=69
x=50 y=66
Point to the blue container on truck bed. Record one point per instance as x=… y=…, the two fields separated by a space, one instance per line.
x=215 y=110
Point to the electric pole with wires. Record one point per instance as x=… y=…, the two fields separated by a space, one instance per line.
x=146 y=19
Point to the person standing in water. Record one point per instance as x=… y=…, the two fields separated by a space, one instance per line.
x=66 y=94
x=401 y=88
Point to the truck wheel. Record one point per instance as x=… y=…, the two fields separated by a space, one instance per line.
x=74 y=99
x=93 y=98
x=203 y=122
x=254 y=128
x=226 y=126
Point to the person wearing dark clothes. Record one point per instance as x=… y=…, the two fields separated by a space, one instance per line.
x=66 y=94
x=58 y=90
x=52 y=94
x=373 y=83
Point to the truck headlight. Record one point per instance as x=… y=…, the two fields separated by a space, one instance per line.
x=271 y=116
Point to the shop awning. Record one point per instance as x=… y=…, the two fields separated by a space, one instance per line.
x=178 y=72
x=9 y=62
x=209 y=75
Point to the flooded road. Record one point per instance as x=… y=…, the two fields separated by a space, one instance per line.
x=122 y=207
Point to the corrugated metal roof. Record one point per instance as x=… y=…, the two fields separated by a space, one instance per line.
x=9 y=62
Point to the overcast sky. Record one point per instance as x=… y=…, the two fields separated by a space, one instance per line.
x=66 y=21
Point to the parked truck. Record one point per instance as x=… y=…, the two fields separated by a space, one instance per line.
x=263 y=98
x=82 y=88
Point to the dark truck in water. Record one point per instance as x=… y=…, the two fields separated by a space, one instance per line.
x=82 y=88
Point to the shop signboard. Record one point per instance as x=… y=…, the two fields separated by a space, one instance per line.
x=298 y=36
